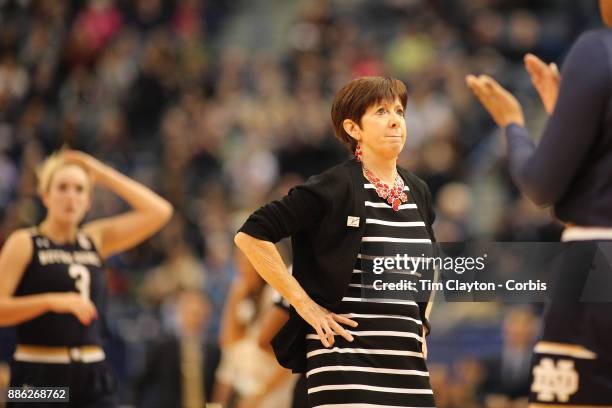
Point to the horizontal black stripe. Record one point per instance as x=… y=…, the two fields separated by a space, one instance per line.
x=387 y=214
x=373 y=342
x=385 y=324
x=389 y=277
x=366 y=360
x=383 y=308
x=370 y=293
x=397 y=232
x=369 y=278
x=372 y=195
x=392 y=249
x=373 y=379
x=372 y=397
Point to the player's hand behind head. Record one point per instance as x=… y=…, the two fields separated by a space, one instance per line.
x=87 y=162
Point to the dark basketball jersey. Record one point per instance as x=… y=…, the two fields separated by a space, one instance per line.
x=71 y=267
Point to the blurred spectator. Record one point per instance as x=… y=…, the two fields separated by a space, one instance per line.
x=181 y=270
x=259 y=381
x=93 y=28
x=454 y=203
x=220 y=271
x=180 y=368
x=508 y=374
x=14 y=81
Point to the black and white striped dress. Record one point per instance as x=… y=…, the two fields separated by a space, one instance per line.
x=384 y=365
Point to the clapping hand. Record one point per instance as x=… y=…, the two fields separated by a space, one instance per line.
x=545 y=78
x=501 y=104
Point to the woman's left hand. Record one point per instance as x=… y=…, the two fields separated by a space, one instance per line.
x=501 y=104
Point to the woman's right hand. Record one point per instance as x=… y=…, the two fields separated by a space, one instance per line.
x=325 y=323
x=73 y=303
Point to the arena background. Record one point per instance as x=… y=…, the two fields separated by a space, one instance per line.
x=222 y=105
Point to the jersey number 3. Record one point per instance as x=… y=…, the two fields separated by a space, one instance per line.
x=82 y=277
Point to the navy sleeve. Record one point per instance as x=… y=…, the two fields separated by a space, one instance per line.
x=301 y=208
x=543 y=173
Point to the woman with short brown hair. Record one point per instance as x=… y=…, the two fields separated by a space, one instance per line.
x=339 y=221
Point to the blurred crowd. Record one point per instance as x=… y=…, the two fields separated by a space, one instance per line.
x=222 y=105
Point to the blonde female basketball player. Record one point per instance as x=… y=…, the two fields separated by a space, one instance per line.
x=52 y=285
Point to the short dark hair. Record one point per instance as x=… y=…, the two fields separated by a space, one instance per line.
x=354 y=98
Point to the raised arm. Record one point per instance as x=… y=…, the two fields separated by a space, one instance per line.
x=118 y=233
x=14 y=259
x=544 y=173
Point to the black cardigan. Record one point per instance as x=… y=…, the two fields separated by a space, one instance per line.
x=315 y=215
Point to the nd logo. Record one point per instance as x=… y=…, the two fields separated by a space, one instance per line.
x=554 y=381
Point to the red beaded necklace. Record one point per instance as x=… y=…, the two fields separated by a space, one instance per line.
x=394 y=196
